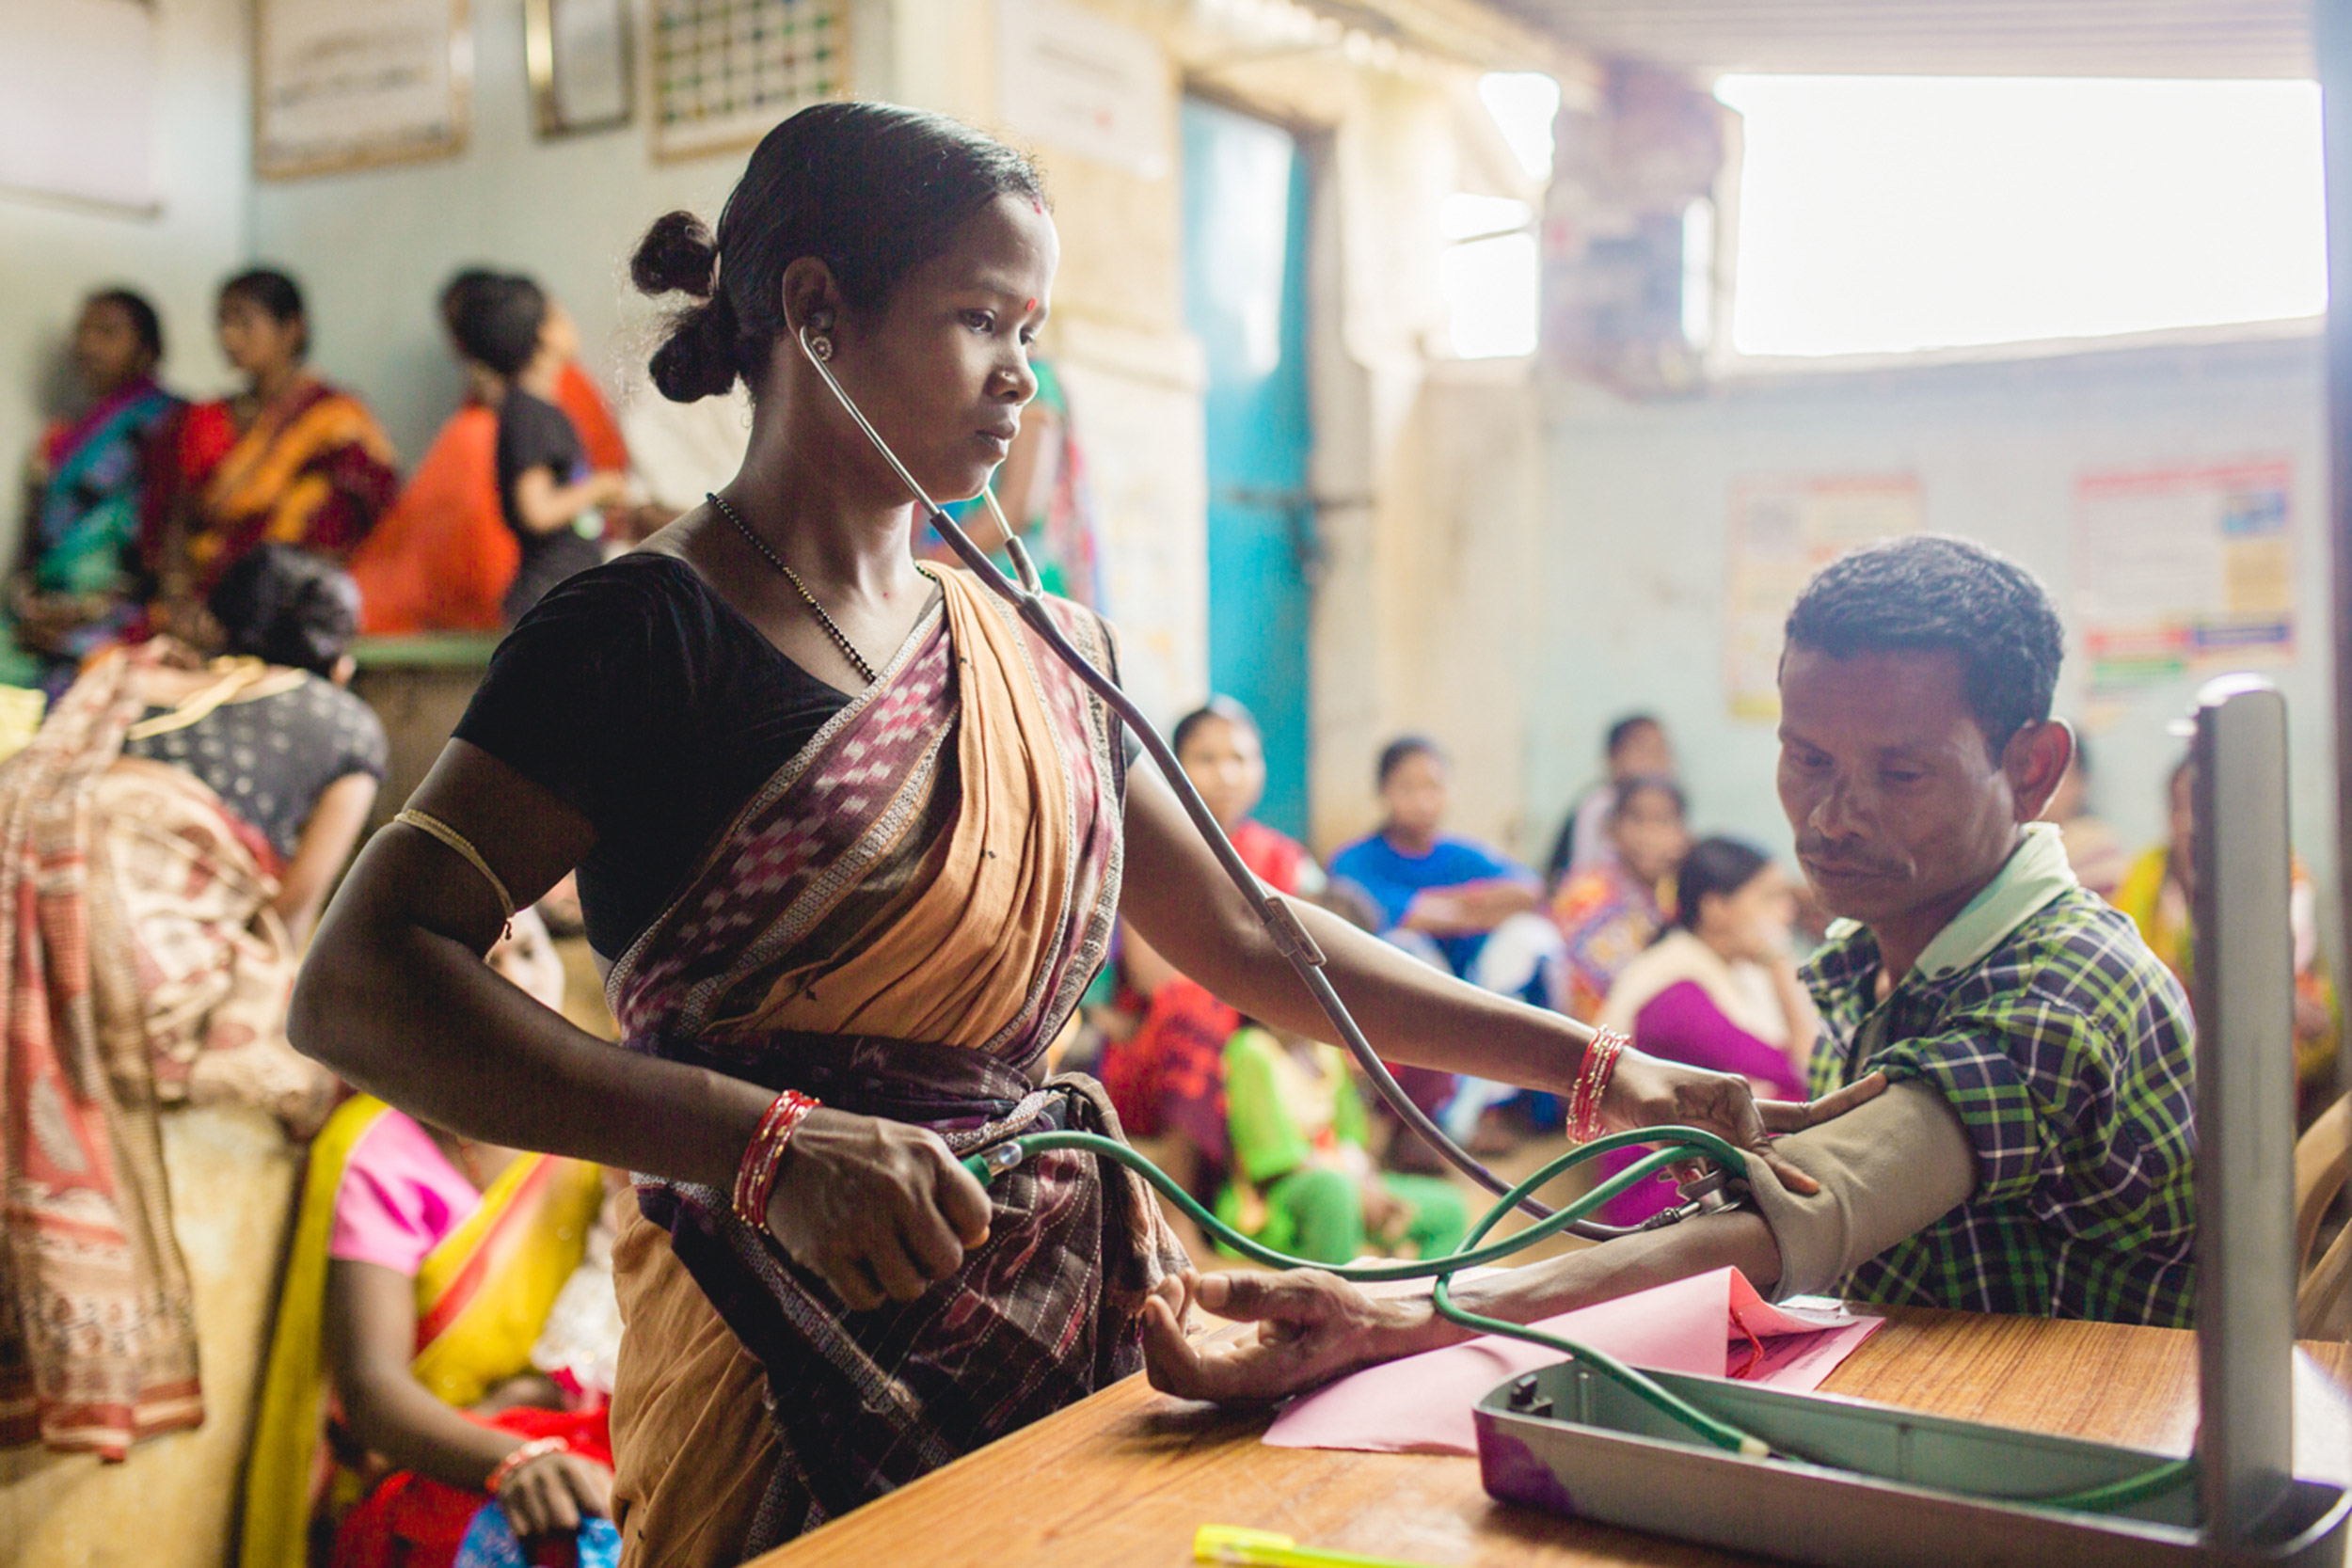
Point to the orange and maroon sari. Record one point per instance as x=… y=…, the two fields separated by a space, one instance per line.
x=312 y=469
x=898 y=923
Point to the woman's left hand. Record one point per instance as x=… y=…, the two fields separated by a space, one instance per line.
x=1647 y=1091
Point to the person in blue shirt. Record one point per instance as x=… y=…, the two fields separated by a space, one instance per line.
x=1440 y=896
x=1452 y=890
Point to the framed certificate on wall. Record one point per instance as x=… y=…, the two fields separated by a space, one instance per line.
x=356 y=84
x=577 y=53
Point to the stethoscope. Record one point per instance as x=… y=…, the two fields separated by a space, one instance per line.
x=1297 y=947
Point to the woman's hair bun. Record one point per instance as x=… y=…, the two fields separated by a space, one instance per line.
x=697 y=359
x=676 y=256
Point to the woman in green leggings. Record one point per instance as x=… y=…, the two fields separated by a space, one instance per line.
x=1302 y=1180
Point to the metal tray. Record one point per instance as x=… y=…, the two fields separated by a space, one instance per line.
x=1929 y=1489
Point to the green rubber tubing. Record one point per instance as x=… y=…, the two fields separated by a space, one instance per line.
x=1675 y=1144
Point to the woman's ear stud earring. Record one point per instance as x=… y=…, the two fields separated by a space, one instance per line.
x=821 y=346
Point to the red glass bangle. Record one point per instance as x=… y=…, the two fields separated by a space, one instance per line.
x=756 y=1177
x=1592 y=1084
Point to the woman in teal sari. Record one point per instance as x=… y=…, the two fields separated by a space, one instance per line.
x=79 y=584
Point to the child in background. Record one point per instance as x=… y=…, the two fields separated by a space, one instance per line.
x=445 y=1321
x=1303 y=1182
x=546 y=492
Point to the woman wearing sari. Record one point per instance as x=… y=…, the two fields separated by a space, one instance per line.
x=79 y=586
x=403 y=1397
x=852 y=842
x=290 y=459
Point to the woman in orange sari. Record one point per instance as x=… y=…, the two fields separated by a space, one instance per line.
x=290 y=458
x=852 y=842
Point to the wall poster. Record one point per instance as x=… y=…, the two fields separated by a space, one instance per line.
x=352 y=84
x=2183 y=571
x=1783 y=531
x=724 y=72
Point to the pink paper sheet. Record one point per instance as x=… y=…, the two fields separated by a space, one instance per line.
x=1421 y=1403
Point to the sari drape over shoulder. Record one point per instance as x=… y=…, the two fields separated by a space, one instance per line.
x=899 y=921
x=313 y=469
x=140 y=965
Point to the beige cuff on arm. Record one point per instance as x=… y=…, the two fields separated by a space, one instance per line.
x=1887 y=1169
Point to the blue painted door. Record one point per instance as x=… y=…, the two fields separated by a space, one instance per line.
x=1245 y=299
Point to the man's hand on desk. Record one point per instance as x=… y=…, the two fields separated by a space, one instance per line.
x=1306 y=1327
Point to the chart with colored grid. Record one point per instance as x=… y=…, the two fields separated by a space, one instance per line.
x=724 y=72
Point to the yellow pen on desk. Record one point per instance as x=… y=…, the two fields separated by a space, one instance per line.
x=1237 y=1547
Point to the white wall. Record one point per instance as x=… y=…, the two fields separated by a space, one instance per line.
x=1633 y=552
x=56 y=253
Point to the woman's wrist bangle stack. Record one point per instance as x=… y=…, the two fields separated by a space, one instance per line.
x=756 y=1177
x=1592 y=1083
x=538 y=1448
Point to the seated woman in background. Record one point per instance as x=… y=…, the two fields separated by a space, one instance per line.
x=2159 y=892
x=1719 y=990
x=290 y=460
x=79 y=584
x=424 y=1272
x=443 y=557
x=548 y=494
x=1303 y=1182
x=1613 y=908
x=271 y=729
x=1169 y=1076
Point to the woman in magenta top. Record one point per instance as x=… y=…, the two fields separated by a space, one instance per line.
x=1717 y=989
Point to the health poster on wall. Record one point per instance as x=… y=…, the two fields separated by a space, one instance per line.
x=2183 y=571
x=1783 y=531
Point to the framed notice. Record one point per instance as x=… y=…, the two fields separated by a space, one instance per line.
x=2183 y=571
x=1076 y=79
x=356 y=84
x=724 y=72
x=1783 y=531
x=577 y=56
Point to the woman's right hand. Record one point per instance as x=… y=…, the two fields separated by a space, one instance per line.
x=877 y=1209
x=1650 y=1091
x=554 y=1493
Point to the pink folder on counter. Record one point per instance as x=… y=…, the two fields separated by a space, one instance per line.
x=1714 y=1325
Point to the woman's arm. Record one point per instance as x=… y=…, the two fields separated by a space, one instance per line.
x=370 y=1330
x=326 y=842
x=394 y=996
x=547 y=507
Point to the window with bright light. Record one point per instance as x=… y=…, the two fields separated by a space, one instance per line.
x=1489 y=274
x=1895 y=214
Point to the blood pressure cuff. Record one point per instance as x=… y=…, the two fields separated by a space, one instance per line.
x=1887 y=1169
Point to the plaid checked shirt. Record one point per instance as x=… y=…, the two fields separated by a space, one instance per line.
x=2066 y=1051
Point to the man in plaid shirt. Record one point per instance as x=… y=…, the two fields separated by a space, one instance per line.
x=2033 y=1148
x=1916 y=738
